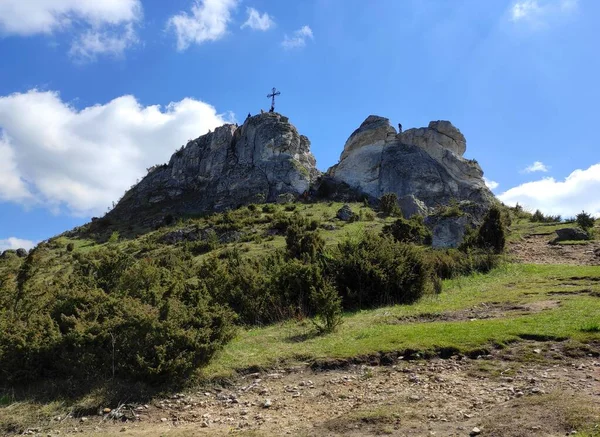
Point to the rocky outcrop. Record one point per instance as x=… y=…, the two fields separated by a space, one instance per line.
x=447 y=231
x=426 y=163
x=267 y=160
x=262 y=160
x=410 y=205
x=570 y=234
x=346 y=214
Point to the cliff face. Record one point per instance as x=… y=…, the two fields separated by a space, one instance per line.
x=267 y=160
x=425 y=163
x=262 y=160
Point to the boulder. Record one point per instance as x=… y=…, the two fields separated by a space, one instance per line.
x=426 y=163
x=22 y=253
x=346 y=214
x=566 y=234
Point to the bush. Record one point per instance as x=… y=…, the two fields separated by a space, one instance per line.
x=302 y=240
x=376 y=270
x=410 y=231
x=388 y=204
x=450 y=210
x=451 y=263
x=539 y=217
x=269 y=208
x=141 y=320
x=70 y=247
x=491 y=233
x=114 y=237
x=585 y=221
x=328 y=304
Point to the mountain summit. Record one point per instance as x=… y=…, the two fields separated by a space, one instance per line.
x=267 y=160
x=263 y=160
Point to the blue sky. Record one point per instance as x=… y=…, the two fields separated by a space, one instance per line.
x=93 y=93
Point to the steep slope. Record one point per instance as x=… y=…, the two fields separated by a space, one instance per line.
x=261 y=160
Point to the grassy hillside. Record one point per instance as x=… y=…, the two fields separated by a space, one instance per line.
x=210 y=298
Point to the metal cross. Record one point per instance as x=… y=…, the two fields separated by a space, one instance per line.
x=272 y=96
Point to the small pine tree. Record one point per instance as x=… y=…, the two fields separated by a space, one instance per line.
x=389 y=204
x=328 y=304
x=585 y=221
x=491 y=234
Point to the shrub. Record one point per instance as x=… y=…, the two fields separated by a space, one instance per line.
x=114 y=237
x=451 y=263
x=539 y=217
x=328 y=304
x=585 y=221
x=389 y=204
x=376 y=270
x=70 y=247
x=410 y=231
x=450 y=210
x=369 y=215
x=491 y=233
x=142 y=320
x=303 y=242
x=269 y=208
x=289 y=287
x=291 y=207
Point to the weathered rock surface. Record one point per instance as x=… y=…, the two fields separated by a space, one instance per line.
x=265 y=159
x=426 y=163
x=566 y=234
x=448 y=232
x=346 y=214
x=410 y=205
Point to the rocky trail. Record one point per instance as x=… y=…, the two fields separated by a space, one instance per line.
x=531 y=388
x=534 y=249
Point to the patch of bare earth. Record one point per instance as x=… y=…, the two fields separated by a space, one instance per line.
x=482 y=311
x=508 y=393
x=534 y=249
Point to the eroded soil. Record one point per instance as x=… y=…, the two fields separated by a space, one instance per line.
x=535 y=249
x=530 y=388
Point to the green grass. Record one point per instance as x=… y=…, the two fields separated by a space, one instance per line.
x=369 y=332
x=522 y=228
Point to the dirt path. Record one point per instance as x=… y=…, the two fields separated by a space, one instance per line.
x=500 y=394
x=535 y=249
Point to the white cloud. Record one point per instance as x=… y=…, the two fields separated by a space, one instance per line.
x=102 y=22
x=12 y=186
x=93 y=43
x=298 y=39
x=207 y=22
x=566 y=198
x=492 y=185
x=538 y=12
x=16 y=243
x=256 y=21
x=536 y=166
x=82 y=160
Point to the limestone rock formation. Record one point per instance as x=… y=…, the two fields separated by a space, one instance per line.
x=424 y=167
x=426 y=163
x=261 y=160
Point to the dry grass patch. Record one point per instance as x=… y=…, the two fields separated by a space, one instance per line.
x=556 y=413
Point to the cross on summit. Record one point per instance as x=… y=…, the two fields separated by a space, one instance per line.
x=274 y=93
